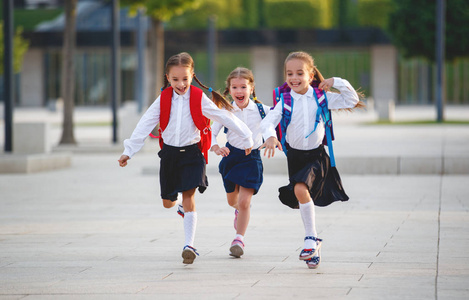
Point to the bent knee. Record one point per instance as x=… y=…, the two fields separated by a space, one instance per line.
x=244 y=205
x=300 y=187
x=168 y=203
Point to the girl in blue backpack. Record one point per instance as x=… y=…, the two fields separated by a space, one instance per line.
x=313 y=181
x=241 y=174
x=183 y=111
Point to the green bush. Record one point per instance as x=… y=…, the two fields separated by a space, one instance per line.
x=285 y=14
x=374 y=13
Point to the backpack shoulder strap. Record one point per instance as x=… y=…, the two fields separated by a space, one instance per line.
x=260 y=107
x=201 y=122
x=165 y=111
x=165 y=107
x=282 y=94
x=195 y=101
x=324 y=112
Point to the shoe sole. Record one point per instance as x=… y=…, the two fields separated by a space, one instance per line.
x=312 y=266
x=312 y=254
x=188 y=257
x=236 y=251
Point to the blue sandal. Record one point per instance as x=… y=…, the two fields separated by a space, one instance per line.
x=307 y=254
x=313 y=262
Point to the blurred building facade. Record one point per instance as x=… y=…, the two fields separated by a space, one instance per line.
x=365 y=57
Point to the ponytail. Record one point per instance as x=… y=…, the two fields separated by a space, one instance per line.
x=317 y=75
x=217 y=98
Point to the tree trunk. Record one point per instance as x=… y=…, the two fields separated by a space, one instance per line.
x=156 y=59
x=158 y=50
x=68 y=71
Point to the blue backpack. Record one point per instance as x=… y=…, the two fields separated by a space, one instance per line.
x=282 y=94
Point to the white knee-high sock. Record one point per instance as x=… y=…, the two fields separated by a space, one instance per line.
x=309 y=221
x=190 y=224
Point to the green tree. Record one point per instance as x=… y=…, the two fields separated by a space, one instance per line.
x=229 y=15
x=254 y=14
x=20 y=46
x=412 y=27
x=374 y=13
x=160 y=11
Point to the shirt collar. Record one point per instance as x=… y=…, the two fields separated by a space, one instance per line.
x=308 y=94
x=251 y=106
x=184 y=97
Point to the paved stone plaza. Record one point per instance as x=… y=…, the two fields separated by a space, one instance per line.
x=97 y=231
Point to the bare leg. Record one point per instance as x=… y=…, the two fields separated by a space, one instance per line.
x=244 y=208
x=188 y=200
x=233 y=198
x=302 y=193
x=168 y=203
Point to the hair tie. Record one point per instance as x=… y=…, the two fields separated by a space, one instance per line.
x=162 y=89
x=210 y=89
x=255 y=98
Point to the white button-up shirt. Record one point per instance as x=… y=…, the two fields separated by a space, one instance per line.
x=181 y=130
x=251 y=117
x=304 y=115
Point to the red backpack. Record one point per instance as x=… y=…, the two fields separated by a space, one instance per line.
x=201 y=122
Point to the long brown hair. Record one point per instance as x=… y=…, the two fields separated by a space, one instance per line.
x=244 y=73
x=185 y=60
x=309 y=62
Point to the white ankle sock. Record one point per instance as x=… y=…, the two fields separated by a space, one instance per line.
x=239 y=237
x=307 y=211
x=190 y=224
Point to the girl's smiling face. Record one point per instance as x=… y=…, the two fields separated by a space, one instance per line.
x=180 y=78
x=240 y=90
x=298 y=75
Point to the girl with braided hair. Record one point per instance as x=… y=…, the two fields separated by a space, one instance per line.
x=241 y=174
x=183 y=112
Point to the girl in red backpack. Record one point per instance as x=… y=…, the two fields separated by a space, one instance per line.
x=241 y=174
x=313 y=181
x=183 y=111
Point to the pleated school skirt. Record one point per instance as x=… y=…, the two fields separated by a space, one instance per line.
x=181 y=169
x=240 y=169
x=313 y=168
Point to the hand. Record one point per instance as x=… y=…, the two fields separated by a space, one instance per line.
x=326 y=84
x=248 y=151
x=123 y=160
x=270 y=145
x=224 y=151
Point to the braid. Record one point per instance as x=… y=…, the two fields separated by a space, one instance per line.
x=166 y=82
x=255 y=97
x=218 y=99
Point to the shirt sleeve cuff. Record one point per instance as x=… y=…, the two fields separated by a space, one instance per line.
x=248 y=143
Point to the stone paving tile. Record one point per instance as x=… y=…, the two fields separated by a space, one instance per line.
x=105 y=235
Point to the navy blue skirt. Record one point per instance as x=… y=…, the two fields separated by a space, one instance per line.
x=181 y=169
x=313 y=168
x=240 y=169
